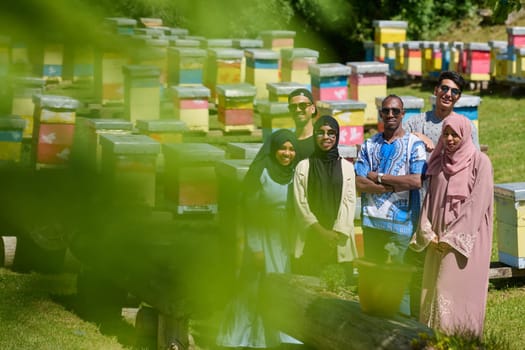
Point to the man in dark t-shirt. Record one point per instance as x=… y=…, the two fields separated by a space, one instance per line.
x=302 y=108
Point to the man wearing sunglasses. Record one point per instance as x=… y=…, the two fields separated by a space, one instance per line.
x=427 y=126
x=302 y=108
x=388 y=175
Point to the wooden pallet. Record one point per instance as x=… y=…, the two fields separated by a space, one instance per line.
x=500 y=270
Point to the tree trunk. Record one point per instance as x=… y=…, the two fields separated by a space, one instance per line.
x=298 y=306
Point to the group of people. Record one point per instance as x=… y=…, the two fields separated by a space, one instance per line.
x=425 y=187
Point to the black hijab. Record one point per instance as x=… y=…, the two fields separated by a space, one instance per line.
x=265 y=159
x=325 y=177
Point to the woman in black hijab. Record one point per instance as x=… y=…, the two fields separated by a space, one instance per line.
x=324 y=196
x=265 y=203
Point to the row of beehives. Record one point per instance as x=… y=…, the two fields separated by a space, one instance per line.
x=495 y=60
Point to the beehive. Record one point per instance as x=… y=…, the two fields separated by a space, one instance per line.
x=329 y=81
x=236 y=106
x=510 y=219
x=350 y=115
x=129 y=164
x=368 y=80
x=191 y=186
x=190 y=105
x=142 y=92
x=262 y=67
x=186 y=66
x=295 y=63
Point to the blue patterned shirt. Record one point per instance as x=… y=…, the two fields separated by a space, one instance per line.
x=396 y=212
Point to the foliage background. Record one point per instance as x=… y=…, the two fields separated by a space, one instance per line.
x=336 y=28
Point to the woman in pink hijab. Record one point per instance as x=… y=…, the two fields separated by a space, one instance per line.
x=456 y=226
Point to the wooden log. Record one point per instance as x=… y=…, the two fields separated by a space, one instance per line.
x=298 y=306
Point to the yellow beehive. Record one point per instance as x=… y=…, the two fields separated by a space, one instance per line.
x=262 y=67
x=387 y=32
x=368 y=80
x=510 y=218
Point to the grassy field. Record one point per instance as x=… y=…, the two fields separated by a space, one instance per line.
x=31 y=319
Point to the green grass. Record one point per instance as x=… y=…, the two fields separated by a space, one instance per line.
x=31 y=320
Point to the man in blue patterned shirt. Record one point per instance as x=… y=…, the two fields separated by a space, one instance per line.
x=388 y=175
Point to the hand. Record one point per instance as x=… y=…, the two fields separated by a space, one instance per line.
x=429 y=145
x=330 y=236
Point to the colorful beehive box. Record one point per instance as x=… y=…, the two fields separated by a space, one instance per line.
x=467 y=105
x=141 y=92
x=242 y=44
x=510 y=220
x=329 y=81
x=242 y=150
x=519 y=71
x=53 y=130
x=129 y=164
x=11 y=130
x=120 y=25
x=109 y=78
x=191 y=181
x=390 y=56
x=217 y=43
x=164 y=131
x=22 y=104
x=185 y=66
x=351 y=117
x=478 y=61
x=387 y=32
x=20 y=64
x=190 y=105
x=458 y=56
x=153 y=52
x=183 y=42
x=223 y=66
x=412 y=61
x=151 y=22
x=277 y=39
x=87 y=152
x=48 y=61
x=444 y=46
x=278 y=92
x=368 y=46
x=175 y=31
x=83 y=63
x=295 y=63
x=274 y=116
x=399 y=65
x=262 y=67
x=235 y=108
x=431 y=59
x=515 y=39
x=368 y=80
x=498 y=59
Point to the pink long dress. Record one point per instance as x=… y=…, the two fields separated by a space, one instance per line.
x=455 y=282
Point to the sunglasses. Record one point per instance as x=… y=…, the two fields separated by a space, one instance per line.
x=395 y=111
x=445 y=88
x=330 y=133
x=292 y=107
